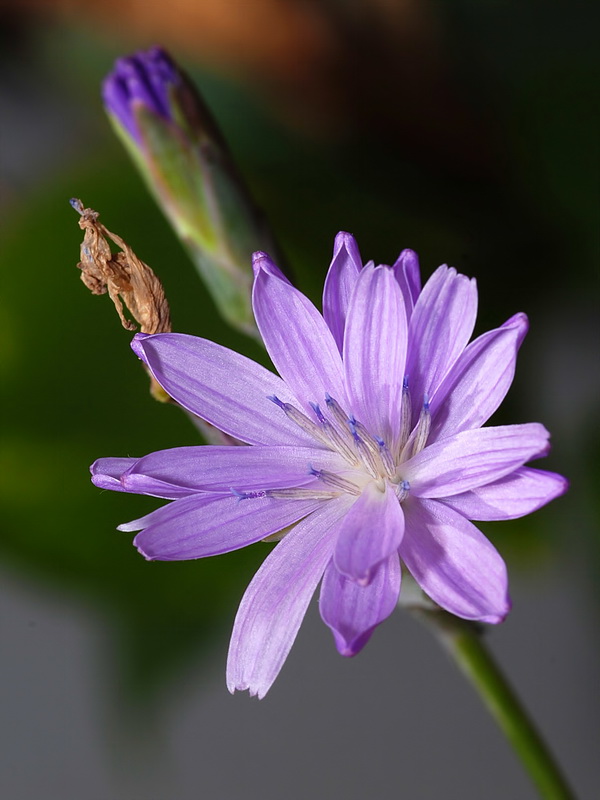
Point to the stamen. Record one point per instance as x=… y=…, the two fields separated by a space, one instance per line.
x=364 y=451
x=301 y=420
x=338 y=438
x=324 y=433
x=339 y=444
x=405 y=414
x=300 y=494
x=402 y=490
x=337 y=411
x=332 y=479
x=371 y=441
x=386 y=458
x=422 y=429
x=342 y=447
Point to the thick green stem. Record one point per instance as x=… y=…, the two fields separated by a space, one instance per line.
x=463 y=640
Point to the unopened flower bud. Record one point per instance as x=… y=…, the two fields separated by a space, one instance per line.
x=185 y=162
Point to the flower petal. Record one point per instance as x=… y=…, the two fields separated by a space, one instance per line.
x=408 y=274
x=520 y=493
x=300 y=344
x=276 y=600
x=181 y=471
x=353 y=611
x=440 y=327
x=478 y=381
x=370 y=533
x=339 y=284
x=206 y=524
x=454 y=563
x=375 y=351
x=222 y=387
x=267 y=263
x=473 y=458
x=106 y=472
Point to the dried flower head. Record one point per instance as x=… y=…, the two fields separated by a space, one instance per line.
x=123 y=275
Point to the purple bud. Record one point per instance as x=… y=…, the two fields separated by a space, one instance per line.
x=144 y=78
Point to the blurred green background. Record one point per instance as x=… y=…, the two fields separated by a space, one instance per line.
x=463 y=130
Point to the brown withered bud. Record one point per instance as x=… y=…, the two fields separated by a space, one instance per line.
x=130 y=282
x=123 y=275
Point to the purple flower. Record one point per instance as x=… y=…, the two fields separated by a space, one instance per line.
x=367 y=453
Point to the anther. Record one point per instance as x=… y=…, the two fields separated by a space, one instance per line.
x=318 y=413
x=274 y=399
x=247 y=495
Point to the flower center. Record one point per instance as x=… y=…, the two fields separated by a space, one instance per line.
x=370 y=459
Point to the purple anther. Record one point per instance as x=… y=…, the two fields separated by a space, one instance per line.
x=274 y=399
x=318 y=413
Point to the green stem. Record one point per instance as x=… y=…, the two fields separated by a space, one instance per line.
x=463 y=640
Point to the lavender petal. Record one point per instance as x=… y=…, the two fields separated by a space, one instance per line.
x=206 y=525
x=375 y=344
x=353 y=611
x=440 y=327
x=221 y=386
x=262 y=261
x=408 y=274
x=478 y=381
x=181 y=471
x=339 y=284
x=520 y=493
x=297 y=339
x=453 y=562
x=107 y=472
x=370 y=533
x=276 y=600
x=473 y=458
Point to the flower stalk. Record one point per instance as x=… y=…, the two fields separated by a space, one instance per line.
x=464 y=642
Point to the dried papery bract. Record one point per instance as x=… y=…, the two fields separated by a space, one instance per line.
x=126 y=279
x=130 y=282
x=123 y=275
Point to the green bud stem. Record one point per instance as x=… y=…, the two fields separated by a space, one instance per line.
x=194 y=180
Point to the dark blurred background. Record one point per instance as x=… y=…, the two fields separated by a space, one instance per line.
x=465 y=130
